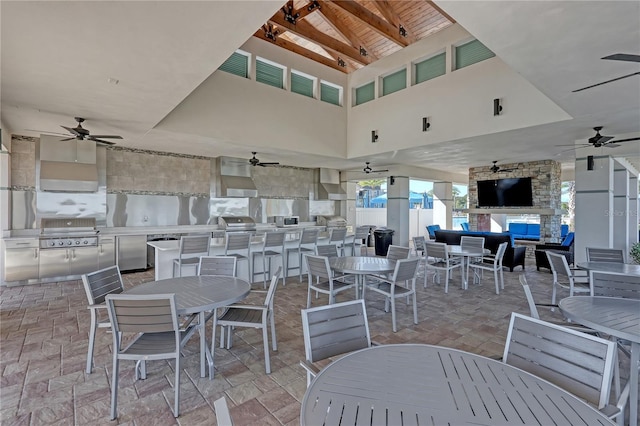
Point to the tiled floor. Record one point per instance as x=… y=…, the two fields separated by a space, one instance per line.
x=43 y=338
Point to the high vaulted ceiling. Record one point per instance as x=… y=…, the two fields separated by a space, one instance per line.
x=124 y=66
x=347 y=35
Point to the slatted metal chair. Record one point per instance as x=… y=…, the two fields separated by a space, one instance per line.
x=321 y=279
x=360 y=238
x=398 y=252
x=97 y=285
x=577 y=362
x=337 y=236
x=612 y=284
x=272 y=246
x=153 y=320
x=565 y=277
x=192 y=247
x=473 y=244
x=237 y=245
x=418 y=245
x=306 y=244
x=396 y=286
x=438 y=260
x=492 y=263
x=595 y=254
x=327 y=250
x=333 y=330
x=223 y=416
x=218 y=265
x=250 y=316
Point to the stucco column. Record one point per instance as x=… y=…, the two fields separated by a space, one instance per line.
x=443 y=204
x=398 y=209
x=349 y=205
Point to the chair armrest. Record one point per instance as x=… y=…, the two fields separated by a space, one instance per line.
x=311 y=369
x=97 y=306
x=252 y=307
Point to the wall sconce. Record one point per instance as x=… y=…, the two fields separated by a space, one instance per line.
x=497 y=106
x=590 y=162
x=425 y=124
x=374 y=136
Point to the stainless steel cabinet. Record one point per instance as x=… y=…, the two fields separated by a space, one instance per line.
x=21 y=260
x=106 y=252
x=131 y=252
x=83 y=260
x=66 y=262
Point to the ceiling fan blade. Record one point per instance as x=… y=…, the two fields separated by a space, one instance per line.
x=101 y=142
x=106 y=136
x=605 y=82
x=623 y=57
x=572 y=144
x=67 y=139
x=71 y=130
x=268 y=164
x=626 y=140
x=611 y=145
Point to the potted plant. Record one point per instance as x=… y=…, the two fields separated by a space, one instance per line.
x=635 y=253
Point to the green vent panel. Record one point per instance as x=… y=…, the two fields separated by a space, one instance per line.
x=269 y=74
x=237 y=64
x=365 y=93
x=329 y=94
x=394 y=82
x=302 y=85
x=472 y=52
x=431 y=68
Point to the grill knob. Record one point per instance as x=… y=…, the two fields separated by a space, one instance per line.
x=52 y=243
x=86 y=242
x=60 y=243
x=68 y=243
x=77 y=243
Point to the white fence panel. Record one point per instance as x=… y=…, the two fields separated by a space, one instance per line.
x=367 y=216
x=418 y=219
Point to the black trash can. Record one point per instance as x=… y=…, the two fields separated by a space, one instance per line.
x=384 y=238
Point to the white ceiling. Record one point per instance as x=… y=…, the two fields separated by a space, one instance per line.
x=58 y=56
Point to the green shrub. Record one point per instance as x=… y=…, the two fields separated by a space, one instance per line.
x=635 y=253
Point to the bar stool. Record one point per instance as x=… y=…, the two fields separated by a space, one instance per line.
x=337 y=237
x=272 y=240
x=237 y=245
x=191 y=249
x=307 y=244
x=362 y=233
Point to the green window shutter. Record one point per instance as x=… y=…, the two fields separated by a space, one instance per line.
x=329 y=94
x=365 y=93
x=394 y=82
x=472 y=52
x=302 y=85
x=431 y=68
x=237 y=64
x=269 y=74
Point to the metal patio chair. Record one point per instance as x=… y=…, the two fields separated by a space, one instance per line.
x=306 y=244
x=273 y=246
x=595 y=254
x=218 y=265
x=320 y=278
x=563 y=276
x=192 y=247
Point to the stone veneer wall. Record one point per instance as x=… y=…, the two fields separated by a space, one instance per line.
x=546 y=189
x=284 y=182
x=23 y=163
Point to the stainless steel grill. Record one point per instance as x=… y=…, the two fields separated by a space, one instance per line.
x=68 y=232
x=237 y=223
x=331 y=221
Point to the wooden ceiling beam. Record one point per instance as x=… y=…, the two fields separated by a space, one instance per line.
x=292 y=47
x=334 y=21
x=386 y=9
x=441 y=12
x=372 y=20
x=308 y=32
x=308 y=9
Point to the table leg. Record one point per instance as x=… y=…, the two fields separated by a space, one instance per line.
x=633 y=381
x=465 y=273
x=203 y=343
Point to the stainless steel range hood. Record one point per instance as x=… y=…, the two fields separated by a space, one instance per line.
x=329 y=187
x=66 y=166
x=233 y=178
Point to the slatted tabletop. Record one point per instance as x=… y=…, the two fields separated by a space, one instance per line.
x=423 y=384
x=361 y=264
x=616 y=317
x=199 y=295
x=621 y=268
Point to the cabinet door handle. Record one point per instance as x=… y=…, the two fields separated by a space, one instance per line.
x=73 y=253
x=35 y=253
x=66 y=255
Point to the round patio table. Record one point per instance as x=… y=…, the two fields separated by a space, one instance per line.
x=415 y=384
x=361 y=266
x=466 y=255
x=615 y=317
x=199 y=295
x=621 y=268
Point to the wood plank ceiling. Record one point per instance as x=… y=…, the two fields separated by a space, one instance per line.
x=347 y=35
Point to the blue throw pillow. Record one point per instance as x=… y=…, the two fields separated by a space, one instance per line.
x=568 y=240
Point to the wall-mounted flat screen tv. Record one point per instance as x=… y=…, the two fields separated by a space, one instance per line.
x=511 y=192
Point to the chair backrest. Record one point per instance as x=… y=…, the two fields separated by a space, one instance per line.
x=577 y=362
x=502 y=248
x=329 y=250
x=472 y=243
x=218 y=265
x=100 y=283
x=436 y=250
x=361 y=233
x=568 y=240
x=431 y=230
x=533 y=309
x=223 y=416
x=595 y=254
x=405 y=270
x=611 y=284
x=309 y=236
x=464 y=226
x=143 y=313
x=268 y=300
x=195 y=245
x=237 y=241
x=335 y=329
x=318 y=266
x=398 y=252
x=558 y=264
x=274 y=239
x=337 y=235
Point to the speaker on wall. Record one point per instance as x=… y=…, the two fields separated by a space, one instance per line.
x=497 y=106
x=374 y=136
x=425 y=124
x=590 y=162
